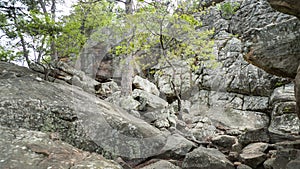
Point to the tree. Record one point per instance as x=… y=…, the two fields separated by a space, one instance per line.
x=86 y=17
x=153 y=30
x=27 y=25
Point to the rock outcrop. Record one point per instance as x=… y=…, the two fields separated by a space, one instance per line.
x=291 y=7
x=80 y=119
x=234 y=115
x=275 y=47
x=24 y=149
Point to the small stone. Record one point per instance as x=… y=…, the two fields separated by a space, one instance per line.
x=39 y=79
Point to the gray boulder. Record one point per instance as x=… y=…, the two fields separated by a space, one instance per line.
x=287 y=158
x=24 y=149
x=284 y=122
x=274 y=50
x=149 y=101
x=294 y=164
x=253 y=155
x=177 y=146
x=161 y=164
x=243 y=166
x=291 y=7
x=206 y=158
x=81 y=119
x=144 y=84
x=254 y=135
x=228 y=143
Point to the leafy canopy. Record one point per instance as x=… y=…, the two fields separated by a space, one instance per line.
x=158 y=30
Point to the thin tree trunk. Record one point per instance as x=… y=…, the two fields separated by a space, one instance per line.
x=127 y=68
x=23 y=42
x=53 y=45
x=52 y=35
x=127 y=76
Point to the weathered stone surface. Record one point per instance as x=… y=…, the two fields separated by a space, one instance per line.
x=144 y=84
x=24 y=149
x=62 y=71
x=227 y=109
x=272 y=39
x=284 y=119
x=80 y=119
x=291 y=7
x=254 y=135
x=243 y=166
x=225 y=142
x=183 y=79
x=297 y=92
x=236 y=119
x=163 y=118
x=234 y=74
x=269 y=163
x=177 y=147
x=162 y=164
x=254 y=14
x=106 y=89
x=275 y=48
x=273 y=45
x=253 y=154
x=125 y=102
x=285 y=157
x=294 y=164
x=284 y=93
x=289 y=144
x=206 y=158
x=148 y=100
x=284 y=124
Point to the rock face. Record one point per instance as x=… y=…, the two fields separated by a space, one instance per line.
x=274 y=44
x=80 y=119
x=234 y=107
x=291 y=7
x=275 y=48
x=26 y=149
x=284 y=121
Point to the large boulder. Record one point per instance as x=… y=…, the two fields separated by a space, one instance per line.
x=24 y=149
x=162 y=164
x=275 y=48
x=144 y=84
x=80 y=119
x=270 y=39
x=284 y=123
x=206 y=158
x=291 y=7
x=254 y=154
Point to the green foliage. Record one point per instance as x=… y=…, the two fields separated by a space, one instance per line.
x=84 y=19
x=157 y=29
x=227 y=8
x=154 y=31
x=7 y=55
x=27 y=29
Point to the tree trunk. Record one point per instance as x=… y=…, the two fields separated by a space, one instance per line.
x=23 y=42
x=127 y=76
x=127 y=69
x=53 y=45
x=52 y=34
